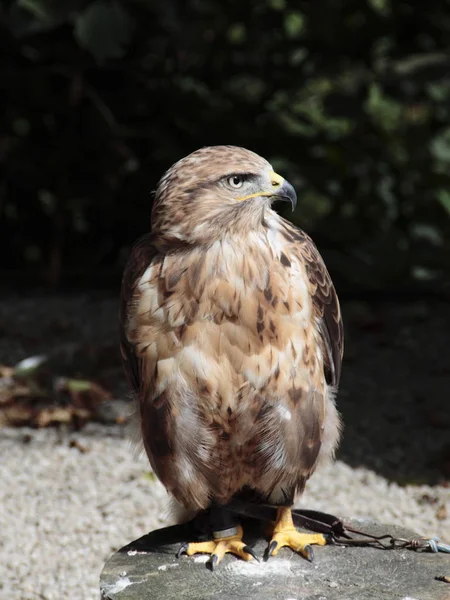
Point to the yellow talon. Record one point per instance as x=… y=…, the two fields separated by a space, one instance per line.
x=219 y=547
x=285 y=534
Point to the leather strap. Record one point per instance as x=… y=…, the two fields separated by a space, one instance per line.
x=334 y=528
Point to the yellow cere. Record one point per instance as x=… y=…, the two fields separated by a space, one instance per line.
x=276 y=181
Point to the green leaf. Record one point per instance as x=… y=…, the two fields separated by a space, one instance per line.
x=294 y=24
x=298 y=56
x=385 y=111
x=105 y=29
x=296 y=126
x=443 y=197
x=439 y=92
x=41 y=10
x=424 y=273
x=313 y=110
x=425 y=231
x=382 y=7
x=42 y=15
x=277 y=4
x=237 y=33
x=246 y=87
x=78 y=385
x=440 y=146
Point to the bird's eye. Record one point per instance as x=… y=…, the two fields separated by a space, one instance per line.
x=236 y=181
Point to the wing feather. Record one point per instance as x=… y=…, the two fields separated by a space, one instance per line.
x=142 y=255
x=325 y=302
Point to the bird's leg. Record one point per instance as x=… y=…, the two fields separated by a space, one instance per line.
x=285 y=534
x=227 y=538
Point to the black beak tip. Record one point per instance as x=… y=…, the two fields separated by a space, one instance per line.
x=294 y=201
x=287 y=193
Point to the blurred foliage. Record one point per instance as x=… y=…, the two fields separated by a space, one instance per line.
x=350 y=101
x=31 y=394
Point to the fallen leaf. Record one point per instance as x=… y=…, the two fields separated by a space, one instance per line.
x=6 y=371
x=52 y=416
x=17 y=415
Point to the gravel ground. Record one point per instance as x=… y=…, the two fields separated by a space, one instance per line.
x=69 y=499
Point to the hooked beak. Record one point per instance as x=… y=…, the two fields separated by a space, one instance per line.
x=280 y=190
x=283 y=190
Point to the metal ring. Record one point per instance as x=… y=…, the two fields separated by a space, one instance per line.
x=225 y=533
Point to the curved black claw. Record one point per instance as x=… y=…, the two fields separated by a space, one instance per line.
x=269 y=551
x=182 y=550
x=309 y=553
x=251 y=552
x=211 y=563
x=329 y=538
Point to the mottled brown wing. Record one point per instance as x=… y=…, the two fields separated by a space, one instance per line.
x=327 y=309
x=141 y=256
x=325 y=300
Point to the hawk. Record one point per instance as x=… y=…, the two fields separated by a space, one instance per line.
x=232 y=340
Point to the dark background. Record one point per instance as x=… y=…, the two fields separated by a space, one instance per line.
x=350 y=101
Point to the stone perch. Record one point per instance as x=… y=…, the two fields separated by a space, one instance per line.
x=147 y=569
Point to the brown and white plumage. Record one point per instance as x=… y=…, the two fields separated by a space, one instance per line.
x=231 y=335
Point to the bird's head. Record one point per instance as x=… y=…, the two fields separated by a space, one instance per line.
x=215 y=191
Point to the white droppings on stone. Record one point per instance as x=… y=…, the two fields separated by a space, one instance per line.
x=253 y=568
x=119 y=586
x=165 y=567
x=134 y=552
x=201 y=559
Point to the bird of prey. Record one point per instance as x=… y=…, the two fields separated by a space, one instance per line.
x=232 y=340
